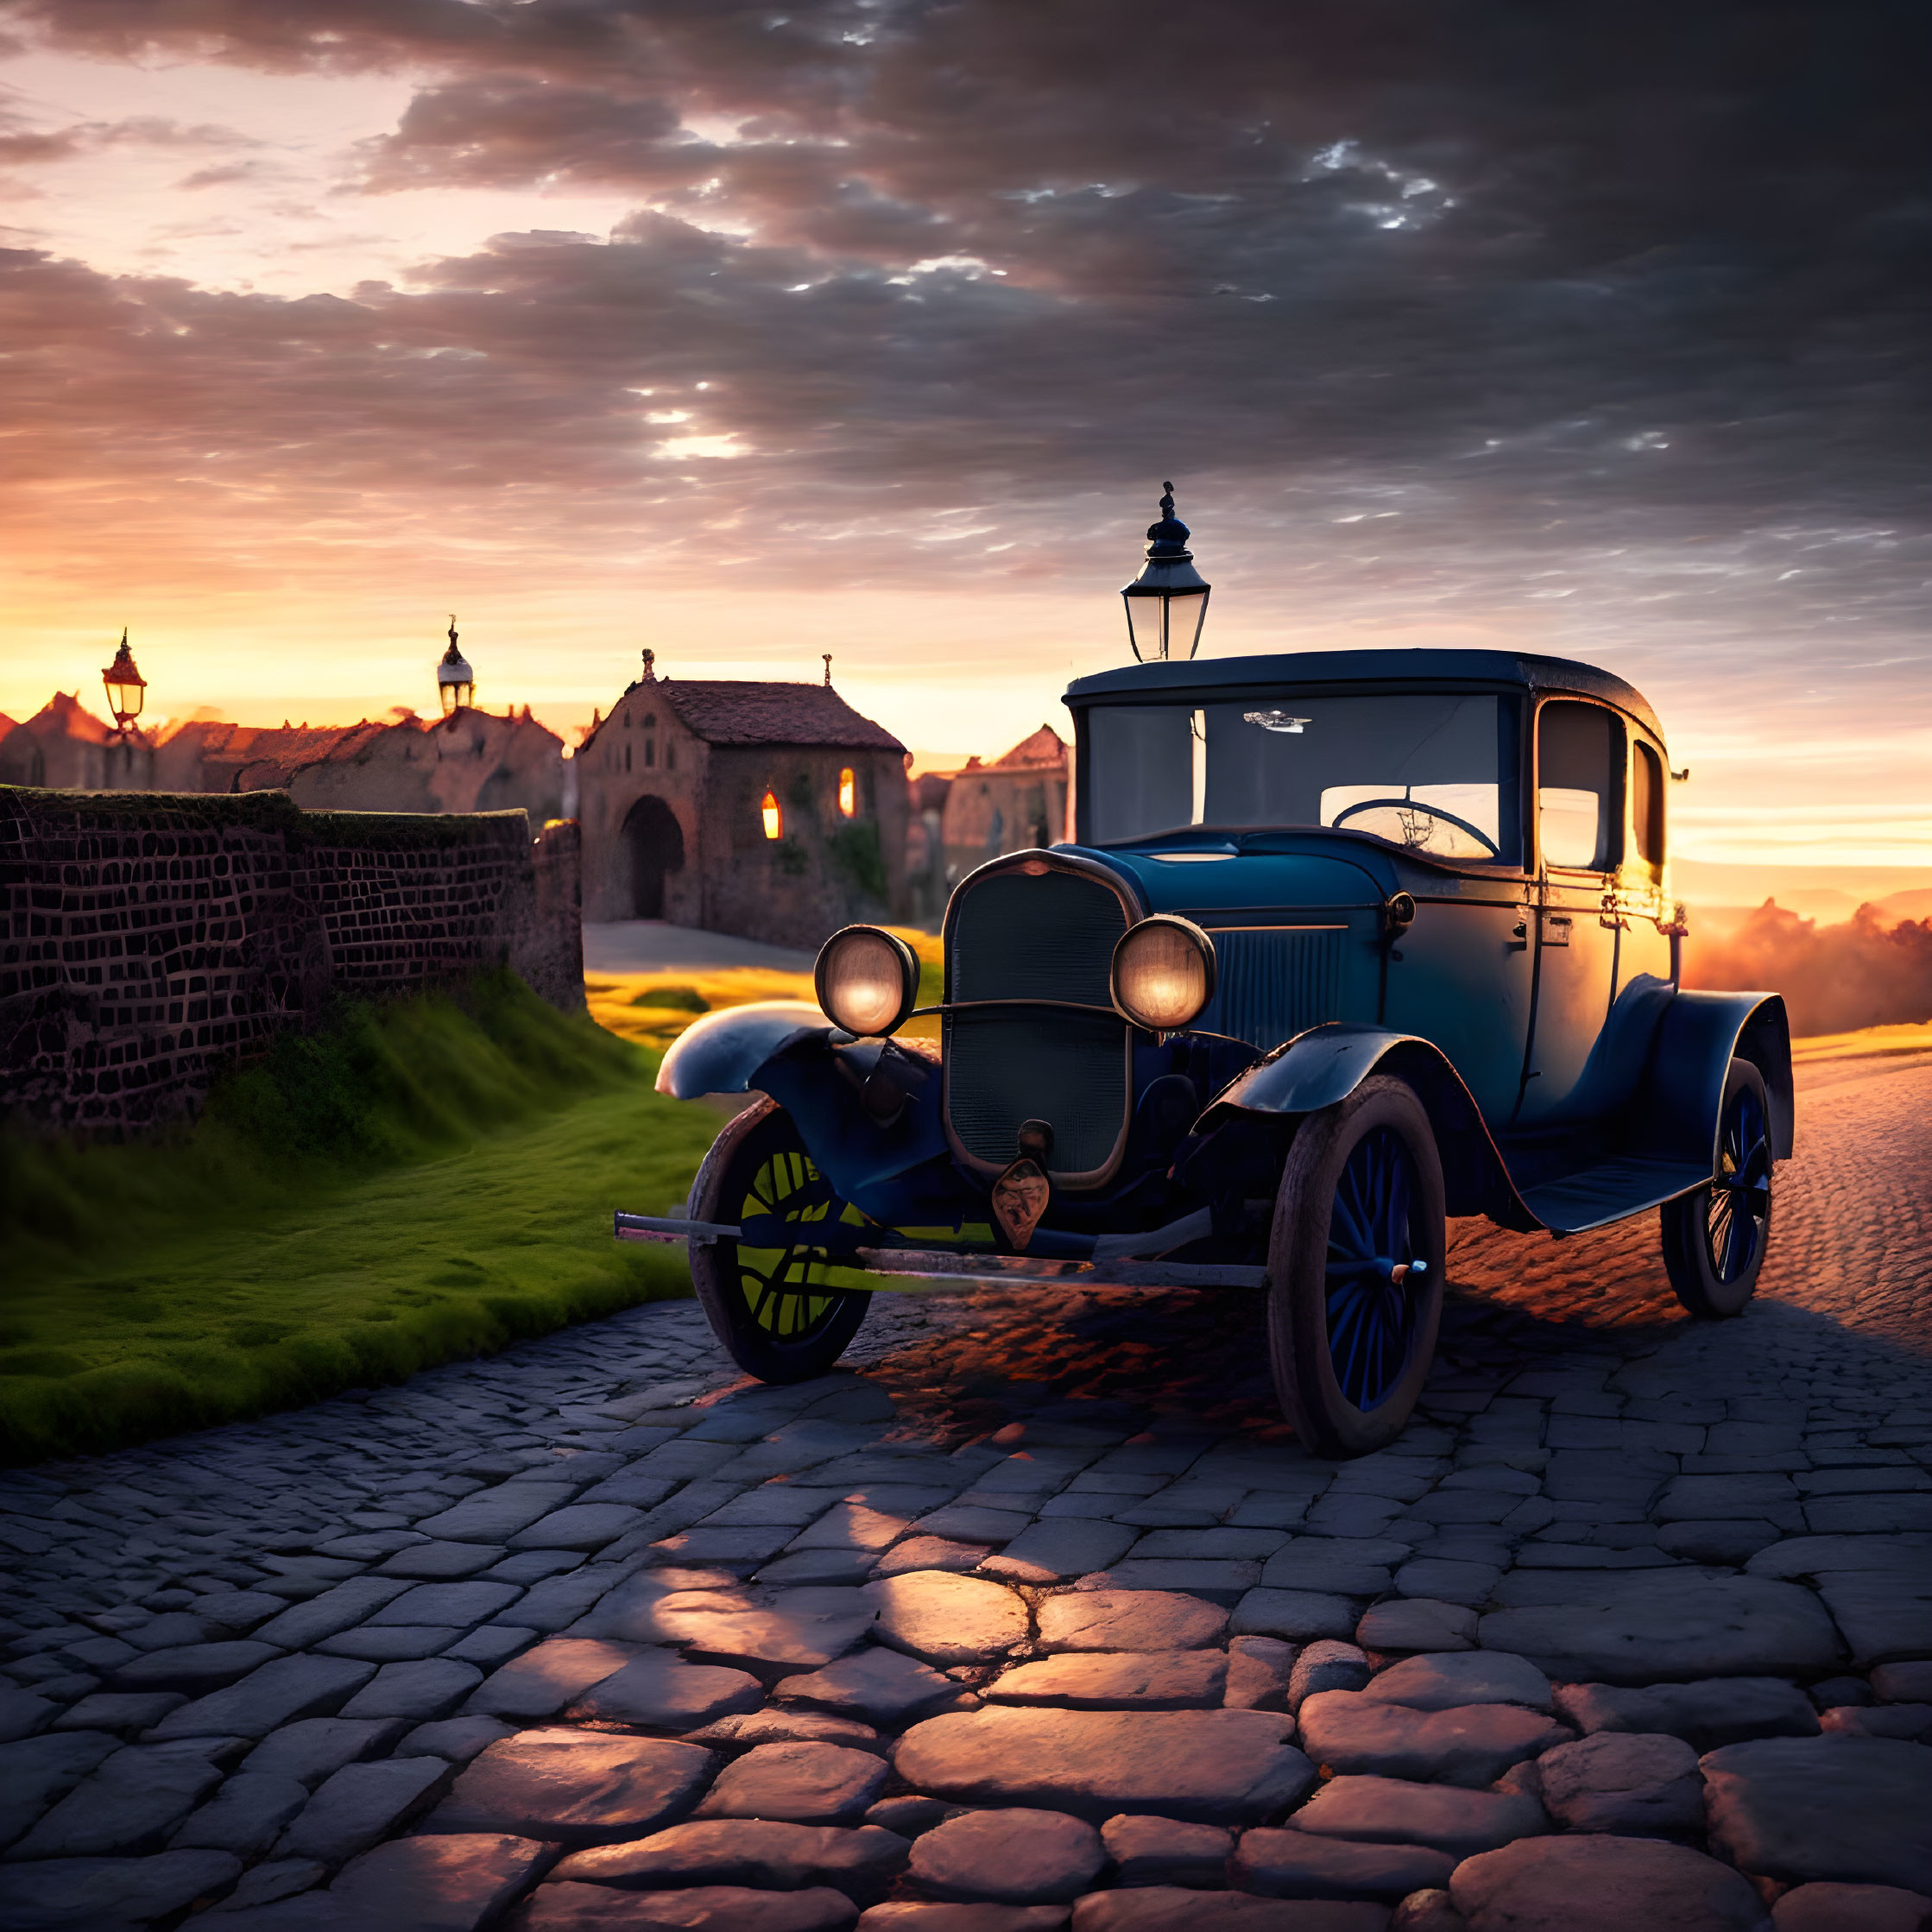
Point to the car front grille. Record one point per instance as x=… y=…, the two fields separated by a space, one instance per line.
x=1273 y=982
x=1041 y=935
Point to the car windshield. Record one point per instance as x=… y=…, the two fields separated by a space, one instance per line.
x=1433 y=772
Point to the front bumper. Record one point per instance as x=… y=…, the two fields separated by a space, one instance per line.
x=973 y=1267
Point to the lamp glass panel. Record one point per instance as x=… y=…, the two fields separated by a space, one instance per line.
x=1147 y=619
x=774 y=818
x=847 y=791
x=1186 y=610
x=124 y=700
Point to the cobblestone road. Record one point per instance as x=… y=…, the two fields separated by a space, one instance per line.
x=1035 y=1604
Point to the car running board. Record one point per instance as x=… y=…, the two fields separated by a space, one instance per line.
x=1610 y=1192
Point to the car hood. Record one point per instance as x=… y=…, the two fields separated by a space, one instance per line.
x=1198 y=878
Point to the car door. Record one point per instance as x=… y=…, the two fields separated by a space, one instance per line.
x=1579 y=791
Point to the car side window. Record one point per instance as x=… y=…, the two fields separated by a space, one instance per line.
x=1646 y=807
x=1580 y=757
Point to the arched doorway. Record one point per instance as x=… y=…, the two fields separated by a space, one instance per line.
x=657 y=850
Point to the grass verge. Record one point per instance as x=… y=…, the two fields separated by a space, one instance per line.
x=1867 y=1043
x=653 y=1009
x=416 y=1181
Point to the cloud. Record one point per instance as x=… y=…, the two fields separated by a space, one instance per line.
x=1602 y=324
x=154 y=130
x=25 y=145
x=233 y=174
x=503 y=128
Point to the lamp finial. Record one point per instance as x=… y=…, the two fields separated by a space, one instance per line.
x=1168 y=600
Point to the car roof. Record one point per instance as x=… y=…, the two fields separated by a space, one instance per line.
x=1554 y=676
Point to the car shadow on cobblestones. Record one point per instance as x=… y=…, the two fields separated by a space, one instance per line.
x=1129 y=1359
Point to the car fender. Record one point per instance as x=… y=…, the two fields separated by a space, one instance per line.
x=1328 y=1062
x=891 y=1165
x=1681 y=1096
x=722 y=1052
x=1614 y=1072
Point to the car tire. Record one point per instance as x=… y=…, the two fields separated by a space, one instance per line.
x=781 y=1318
x=1715 y=1238
x=1351 y=1346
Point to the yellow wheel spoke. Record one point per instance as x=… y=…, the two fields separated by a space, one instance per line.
x=789 y=1293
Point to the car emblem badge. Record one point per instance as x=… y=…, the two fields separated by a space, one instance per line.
x=1019 y=1198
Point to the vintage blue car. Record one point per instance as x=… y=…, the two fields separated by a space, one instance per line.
x=1346 y=943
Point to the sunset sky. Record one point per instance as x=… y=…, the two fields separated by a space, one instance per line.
x=872 y=326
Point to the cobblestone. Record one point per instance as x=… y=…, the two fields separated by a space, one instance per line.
x=588 y=1582
x=1013 y=1857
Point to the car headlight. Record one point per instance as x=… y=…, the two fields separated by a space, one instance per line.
x=1164 y=972
x=867 y=980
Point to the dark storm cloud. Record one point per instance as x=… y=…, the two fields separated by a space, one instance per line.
x=1550 y=279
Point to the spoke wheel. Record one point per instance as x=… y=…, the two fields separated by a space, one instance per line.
x=1715 y=1238
x=1355 y=1269
x=783 y=1314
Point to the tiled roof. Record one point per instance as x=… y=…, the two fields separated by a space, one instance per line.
x=1046 y=749
x=70 y=718
x=724 y=712
x=258 y=758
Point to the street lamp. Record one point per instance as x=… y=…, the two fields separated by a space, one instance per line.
x=126 y=687
x=1167 y=603
x=456 y=683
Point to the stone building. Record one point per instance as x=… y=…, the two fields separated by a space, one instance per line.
x=468 y=761
x=1018 y=801
x=770 y=811
x=65 y=748
x=926 y=888
x=472 y=760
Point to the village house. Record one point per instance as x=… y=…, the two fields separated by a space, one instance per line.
x=65 y=747
x=472 y=760
x=468 y=760
x=1018 y=801
x=772 y=810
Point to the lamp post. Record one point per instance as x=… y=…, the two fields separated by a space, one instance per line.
x=456 y=683
x=126 y=687
x=1167 y=602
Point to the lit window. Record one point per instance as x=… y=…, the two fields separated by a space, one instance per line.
x=847 y=791
x=767 y=810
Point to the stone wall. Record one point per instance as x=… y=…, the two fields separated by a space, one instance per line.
x=147 y=940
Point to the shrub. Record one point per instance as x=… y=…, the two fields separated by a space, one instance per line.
x=1834 y=978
